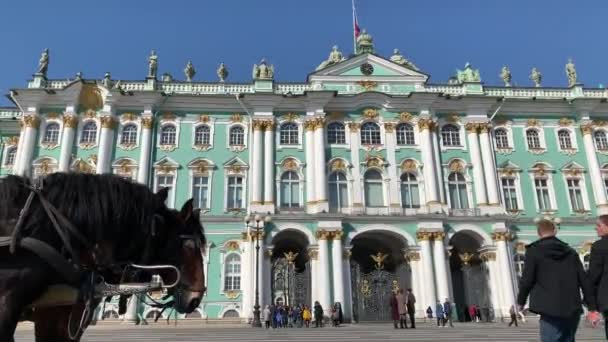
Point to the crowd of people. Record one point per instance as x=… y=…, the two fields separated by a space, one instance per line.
x=298 y=316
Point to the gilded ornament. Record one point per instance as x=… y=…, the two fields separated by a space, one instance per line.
x=232 y=245
x=573 y=172
x=204 y=118
x=269 y=125
x=90 y=97
x=539 y=170
x=90 y=114
x=472 y=127
x=565 y=122
x=290 y=164
x=12 y=141
x=335 y=115
x=412 y=256
x=232 y=294
x=405 y=117
x=52 y=115
x=488 y=256
x=291 y=257
x=437 y=236
x=347 y=254
x=309 y=125
x=108 y=122
x=395 y=286
x=424 y=236
x=337 y=165
x=201 y=167
x=374 y=162
x=366 y=289
x=258 y=125
x=453 y=118
x=128 y=117
x=466 y=258
x=484 y=127
x=379 y=259
x=600 y=123
x=290 y=117
x=147 y=122
x=501 y=236
x=409 y=165
x=368 y=84
x=31 y=121
x=389 y=127
x=166 y=168
x=533 y=123
x=319 y=123
x=263 y=71
x=168 y=116
x=426 y=124
x=587 y=128
x=84 y=167
x=370 y=113
x=313 y=254
x=236 y=117
x=337 y=235
x=456 y=166
x=125 y=167
x=322 y=234
x=236 y=168
x=354 y=126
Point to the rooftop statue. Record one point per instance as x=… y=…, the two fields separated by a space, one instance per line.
x=468 y=74
x=335 y=56
x=107 y=80
x=152 y=64
x=222 y=72
x=263 y=71
x=571 y=73
x=536 y=77
x=365 y=43
x=398 y=58
x=43 y=63
x=167 y=77
x=505 y=75
x=189 y=71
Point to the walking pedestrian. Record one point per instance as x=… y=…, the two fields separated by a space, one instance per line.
x=447 y=312
x=335 y=315
x=318 y=310
x=267 y=316
x=513 y=314
x=553 y=276
x=440 y=314
x=411 y=308
x=394 y=303
x=598 y=264
x=472 y=313
x=306 y=316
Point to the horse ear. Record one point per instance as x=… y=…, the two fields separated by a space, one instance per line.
x=187 y=210
x=162 y=194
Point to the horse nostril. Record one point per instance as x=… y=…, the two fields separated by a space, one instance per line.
x=194 y=303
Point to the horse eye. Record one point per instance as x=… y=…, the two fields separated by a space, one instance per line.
x=189 y=244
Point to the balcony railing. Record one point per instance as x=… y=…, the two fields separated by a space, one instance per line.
x=464 y=212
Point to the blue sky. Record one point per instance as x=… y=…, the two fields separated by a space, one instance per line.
x=439 y=36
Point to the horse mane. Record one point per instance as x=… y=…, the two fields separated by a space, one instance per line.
x=103 y=207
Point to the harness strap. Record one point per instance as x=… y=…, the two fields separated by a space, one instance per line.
x=62 y=235
x=57 y=261
x=17 y=231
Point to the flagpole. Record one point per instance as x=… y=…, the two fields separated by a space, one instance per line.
x=354 y=29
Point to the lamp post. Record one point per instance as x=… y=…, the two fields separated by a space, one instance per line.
x=257 y=219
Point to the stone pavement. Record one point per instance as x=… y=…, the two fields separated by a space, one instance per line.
x=469 y=332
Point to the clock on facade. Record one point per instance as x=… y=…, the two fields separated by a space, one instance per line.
x=367 y=69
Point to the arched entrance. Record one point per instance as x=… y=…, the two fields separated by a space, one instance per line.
x=290 y=269
x=469 y=275
x=378 y=268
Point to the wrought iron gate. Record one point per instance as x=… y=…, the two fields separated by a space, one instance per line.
x=372 y=293
x=289 y=286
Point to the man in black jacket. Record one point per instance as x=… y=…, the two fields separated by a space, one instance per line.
x=553 y=277
x=598 y=268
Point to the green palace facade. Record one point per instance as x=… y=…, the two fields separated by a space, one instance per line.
x=374 y=177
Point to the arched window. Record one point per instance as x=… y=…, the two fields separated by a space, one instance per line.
x=202 y=135
x=338 y=191
x=290 y=190
x=565 y=140
x=168 y=135
x=374 y=190
x=405 y=134
x=289 y=133
x=336 y=133
x=533 y=139
x=601 y=142
x=51 y=135
x=232 y=272
x=410 y=196
x=450 y=135
x=237 y=136
x=89 y=133
x=457 y=187
x=10 y=156
x=501 y=137
x=129 y=135
x=370 y=134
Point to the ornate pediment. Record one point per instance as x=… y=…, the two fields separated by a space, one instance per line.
x=166 y=165
x=236 y=166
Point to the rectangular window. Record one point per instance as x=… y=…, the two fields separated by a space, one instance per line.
x=409 y=195
x=235 y=192
x=542 y=194
x=510 y=194
x=200 y=192
x=374 y=196
x=165 y=181
x=576 y=195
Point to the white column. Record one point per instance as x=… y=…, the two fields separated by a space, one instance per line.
x=430 y=177
x=145 y=148
x=357 y=187
x=338 y=268
x=480 y=184
x=320 y=174
x=427 y=268
x=246 y=282
x=494 y=281
x=269 y=164
x=313 y=255
x=418 y=287
x=70 y=122
x=599 y=192
x=505 y=270
x=441 y=273
x=323 y=274
x=489 y=165
x=347 y=307
x=261 y=282
x=257 y=165
x=31 y=123
x=394 y=187
x=19 y=148
x=106 y=142
x=309 y=146
x=132 y=308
